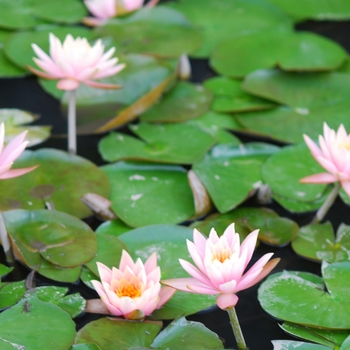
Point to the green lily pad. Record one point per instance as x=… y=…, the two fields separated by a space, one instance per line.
x=61 y=179
x=169 y=242
x=283 y=170
x=86 y=275
x=49 y=236
x=319 y=336
x=309 y=99
x=317 y=242
x=11 y=292
x=145 y=194
x=74 y=304
x=118 y=334
x=336 y=10
x=293 y=344
x=290 y=51
x=185 y=101
x=235 y=167
x=13 y=120
x=18 y=46
x=109 y=252
x=22 y=321
x=64 y=11
x=143 y=81
x=290 y=297
x=4 y=270
x=85 y=347
x=219 y=21
x=160 y=143
x=174 y=36
x=229 y=96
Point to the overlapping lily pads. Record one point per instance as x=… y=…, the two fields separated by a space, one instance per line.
x=298 y=298
x=231 y=173
x=300 y=51
x=169 y=143
x=145 y=194
x=223 y=20
x=60 y=180
x=308 y=99
x=136 y=33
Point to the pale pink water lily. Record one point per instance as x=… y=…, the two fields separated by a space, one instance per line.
x=333 y=154
x=10 y=153
x=132 y=291
x=220 y=265
x=76 y=61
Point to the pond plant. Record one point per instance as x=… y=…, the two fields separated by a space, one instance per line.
x=212 y=135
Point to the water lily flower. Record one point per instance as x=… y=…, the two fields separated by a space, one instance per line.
x=10 y=153
x=220 y=265
x=333 y=154
x=132 y=291
x=76 y=61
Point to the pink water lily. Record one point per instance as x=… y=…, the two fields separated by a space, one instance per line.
x=76 y=61
x=10 y=153
x=333 y=154
x=132 y=291
x=220 y=265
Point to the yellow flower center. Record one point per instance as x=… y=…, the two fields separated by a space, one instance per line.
x=222 y=254
x=127 y=288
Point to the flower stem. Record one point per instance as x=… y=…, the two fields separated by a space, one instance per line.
x=72 y=132
x=5 y=242
x=321 y=213
x=236 y=328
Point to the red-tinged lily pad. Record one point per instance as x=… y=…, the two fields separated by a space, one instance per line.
x=317 y=242
x=61 y=179
x=169 y=242
x=22 y=321
x=330 y=338
x=291 y=297
x=290 y=51
x=42 y=237
x=322 y=10
x=174 y=36
x=221 y=20
x=237 y=168
x=145 y=194
x=160 y=143
x=283 y=170
x=294 y=344
x=229 y=96
x=119 y=334
x=143 y=82
x=185 y=101
x=18 y=46
x=13 y=120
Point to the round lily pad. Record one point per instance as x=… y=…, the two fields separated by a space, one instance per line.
x=292 y=344
x=234 y=167
x=174 y=36
x=149 y=194
x=293 y=298
x=60 y=180
x=185 y=101
x=221 y=20
x=160 y=144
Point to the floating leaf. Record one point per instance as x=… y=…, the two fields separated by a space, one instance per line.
x=14 y=118
x=290 y=51
x=61 y=179
x=10 y=293
x=293 y=298
x=160 y=144
x=317 y=242
x=229 y=96
x=149 y=194
x=22 y=322
x=84 y=347
x=291 y=345
x=185 y=101
x=113 y=228
x=221 y=20
x=233 y=167
x=136 y=34
x=4 y=270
